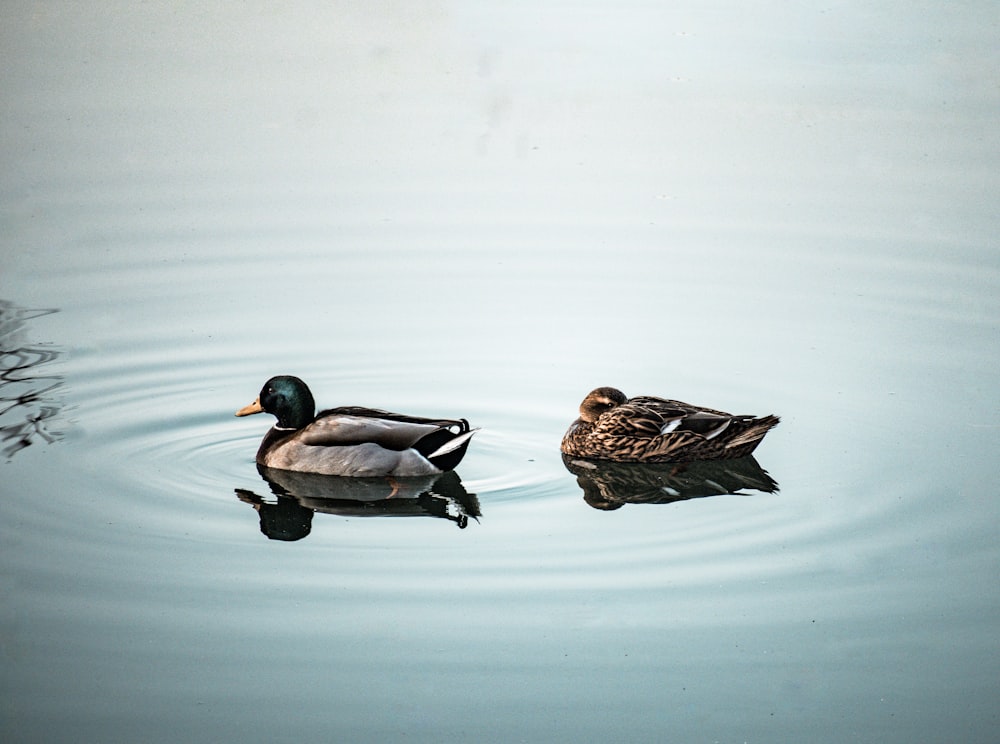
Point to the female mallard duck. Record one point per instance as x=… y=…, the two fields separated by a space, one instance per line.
x=646 y=429
x=352 y=440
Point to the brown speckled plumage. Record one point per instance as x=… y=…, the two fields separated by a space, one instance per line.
x=647 y=429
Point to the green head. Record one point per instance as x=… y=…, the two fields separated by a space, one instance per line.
x=288 y=399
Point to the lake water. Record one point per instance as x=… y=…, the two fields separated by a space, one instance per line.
x=485 y=210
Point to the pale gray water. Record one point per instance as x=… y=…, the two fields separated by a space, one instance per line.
x=485 y=211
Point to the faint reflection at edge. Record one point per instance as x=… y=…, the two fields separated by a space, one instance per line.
x=26 y=408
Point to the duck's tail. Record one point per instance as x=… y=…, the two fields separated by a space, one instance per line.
x=745 y=442
x=444 y=448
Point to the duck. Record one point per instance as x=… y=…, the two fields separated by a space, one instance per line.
x=352 y=440
x=614 y=427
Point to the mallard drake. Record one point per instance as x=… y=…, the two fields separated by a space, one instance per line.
x=647 y=429
x=352 y=440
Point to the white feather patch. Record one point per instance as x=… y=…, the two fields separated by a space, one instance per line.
x=452 y=445
x=671 y=425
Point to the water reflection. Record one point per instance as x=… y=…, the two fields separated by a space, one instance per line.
x=611 y=485
x=300 y=495
x=26 y=408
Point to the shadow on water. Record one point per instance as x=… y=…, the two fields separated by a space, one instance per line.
x=26 y=406
x=611 y=485
x=301 y=495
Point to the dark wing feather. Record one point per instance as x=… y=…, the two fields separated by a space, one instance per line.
x=342 y=430
x=458 y=426
x=672 y=406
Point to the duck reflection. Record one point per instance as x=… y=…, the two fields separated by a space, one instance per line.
x=301 y=495
x=610 y=485
x=26 y=406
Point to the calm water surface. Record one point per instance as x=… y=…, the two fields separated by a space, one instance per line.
x=468 y=210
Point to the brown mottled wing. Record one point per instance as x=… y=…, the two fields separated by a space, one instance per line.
x=655 y=429
x=640 y=417
x=633 y=430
